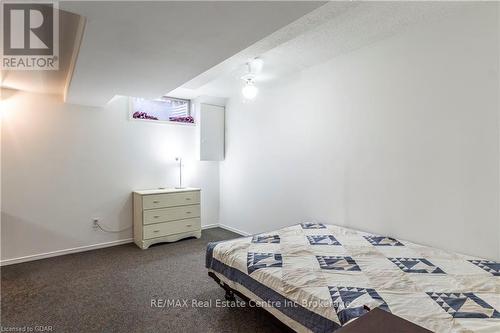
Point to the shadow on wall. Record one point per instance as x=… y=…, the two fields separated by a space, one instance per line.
x=115 y=215
x=19 y=235
x=16 y=232
x=126 y=214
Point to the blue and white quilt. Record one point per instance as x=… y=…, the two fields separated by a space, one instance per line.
x=316 y=278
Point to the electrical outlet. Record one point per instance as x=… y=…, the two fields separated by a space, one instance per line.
x=95 y=223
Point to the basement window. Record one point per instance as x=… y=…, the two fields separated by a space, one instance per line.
x=164 y=109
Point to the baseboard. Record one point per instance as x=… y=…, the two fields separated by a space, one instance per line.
x=209 y=226
x=63 y=252
x=223 y=226
x=100 y=246
x=240 y=232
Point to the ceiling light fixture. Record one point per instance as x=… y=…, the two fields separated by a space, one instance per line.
x=249 y=89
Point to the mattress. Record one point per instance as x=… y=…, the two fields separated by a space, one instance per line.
x=316 y=278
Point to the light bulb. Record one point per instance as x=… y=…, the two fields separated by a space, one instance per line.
x=249 y=91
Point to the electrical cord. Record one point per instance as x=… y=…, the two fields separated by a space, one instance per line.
x=112 y=231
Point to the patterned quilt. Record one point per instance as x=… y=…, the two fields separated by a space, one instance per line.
x=316 y=278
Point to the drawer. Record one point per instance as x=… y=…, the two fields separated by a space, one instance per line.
x=171 y=214
x=170 y=199
x=170 y=228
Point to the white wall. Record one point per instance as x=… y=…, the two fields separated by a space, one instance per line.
x=400 y=137
x=64 y=164
x=498 y=101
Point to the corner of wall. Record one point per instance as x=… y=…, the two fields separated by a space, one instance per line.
x=498 y=119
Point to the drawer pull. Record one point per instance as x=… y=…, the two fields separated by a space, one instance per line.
x=188 y=225
x=156 y=231
x=188 y=212
x=156 y=201
x=188 y=199
x=156 y=216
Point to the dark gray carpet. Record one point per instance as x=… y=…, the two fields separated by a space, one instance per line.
x=110 y=290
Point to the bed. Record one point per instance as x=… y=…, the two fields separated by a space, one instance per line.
x=316 y=277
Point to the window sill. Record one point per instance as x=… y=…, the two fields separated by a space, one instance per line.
x=163 y=122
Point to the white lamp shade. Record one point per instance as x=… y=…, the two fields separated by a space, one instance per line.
x=249 y=91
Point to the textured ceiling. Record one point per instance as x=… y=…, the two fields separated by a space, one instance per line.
x=147 y=49
x=331 y=30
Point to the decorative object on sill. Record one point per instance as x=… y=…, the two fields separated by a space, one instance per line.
x=188 y=119
x=143 y=115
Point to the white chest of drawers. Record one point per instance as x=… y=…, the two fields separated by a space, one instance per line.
x=166 y=215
